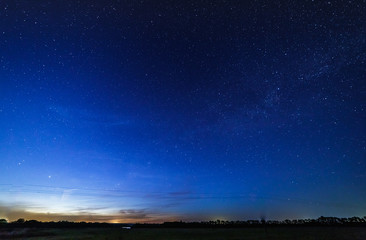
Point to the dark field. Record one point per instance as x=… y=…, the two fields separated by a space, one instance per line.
x=293 y=233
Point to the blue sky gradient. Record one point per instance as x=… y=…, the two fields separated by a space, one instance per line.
x=144 y=111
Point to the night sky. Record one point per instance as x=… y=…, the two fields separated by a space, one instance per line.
x=151 y=111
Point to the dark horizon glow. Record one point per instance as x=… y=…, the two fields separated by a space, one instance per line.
x=151 y=111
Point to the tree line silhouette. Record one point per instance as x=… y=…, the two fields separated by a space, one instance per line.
x=321 y=221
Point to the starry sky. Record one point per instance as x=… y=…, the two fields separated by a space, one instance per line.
x=151 y=111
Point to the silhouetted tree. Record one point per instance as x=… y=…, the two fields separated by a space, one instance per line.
x=20 y=220
x=3 y=221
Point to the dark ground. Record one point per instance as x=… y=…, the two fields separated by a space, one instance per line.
x=283 y=233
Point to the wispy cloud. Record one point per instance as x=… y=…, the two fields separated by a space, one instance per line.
x=47 y=203
x=87 y=117
x=13 y=213
x=134 y=214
